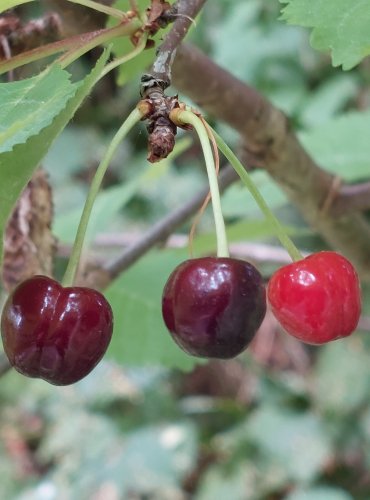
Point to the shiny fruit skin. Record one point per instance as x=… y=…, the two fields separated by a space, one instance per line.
x=317 y=299
x=213 y=306
x=55 y=333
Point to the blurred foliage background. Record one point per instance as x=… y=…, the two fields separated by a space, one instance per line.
x=284 y=420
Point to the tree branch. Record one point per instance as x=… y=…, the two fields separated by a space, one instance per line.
x=162 y=130
x=350 y=198
x=186 y=11
x=270 y=143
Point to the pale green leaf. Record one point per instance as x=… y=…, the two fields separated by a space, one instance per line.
x=328 y=100
x=106 y=207
x=283 y=434
x=17 y=166
x=238 y=202
x=342 y=376
x=9 y=4
x=140 y=337
x=238 y=483
x=28 y=106
x=156 y=458
x=342 y=145
x=341 y=26
x=320 y=493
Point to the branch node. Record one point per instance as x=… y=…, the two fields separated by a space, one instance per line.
x=161 y=129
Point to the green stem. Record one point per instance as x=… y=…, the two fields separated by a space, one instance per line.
x=134 y=117
x=75 y=45
x=287 y=243
x=104 y=36
x=105 y=9
x=190 y=118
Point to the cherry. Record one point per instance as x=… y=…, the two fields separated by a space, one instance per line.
x=213 y=306
x=55 y=333
x=317 y=299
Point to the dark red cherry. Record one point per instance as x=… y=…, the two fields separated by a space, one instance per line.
x=214 y=306
x=55 y=333
x=316 y=299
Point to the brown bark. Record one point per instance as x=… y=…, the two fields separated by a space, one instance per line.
x=29 y=245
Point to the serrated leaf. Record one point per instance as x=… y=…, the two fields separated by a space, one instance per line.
x=342 y=145
x=9 y=4
x=17 y=166
x=140 y=337
x=341 y=26
x=28 y=106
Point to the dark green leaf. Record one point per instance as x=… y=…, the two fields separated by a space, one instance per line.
x=17 y=166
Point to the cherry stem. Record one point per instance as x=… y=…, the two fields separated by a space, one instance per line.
x=134 y=117
x=188 y=117
x=287 y=243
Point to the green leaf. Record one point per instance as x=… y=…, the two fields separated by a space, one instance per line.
x=328 y=100
x=320 y=493
x=106 y=207
x=282 y=434
x=9 y=4
x=155 y=458
x=140 y=337
x=342 y=145
x=342 y=376
x=341 y=26
x=239 y=483
x=17 y=166
x=238 y=202
x=29 y=105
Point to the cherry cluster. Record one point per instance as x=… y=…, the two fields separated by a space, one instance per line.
x=212 y=306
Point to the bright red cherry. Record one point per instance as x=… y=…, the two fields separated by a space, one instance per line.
x=55 y=333
x=213 y=306
x=317 y=299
